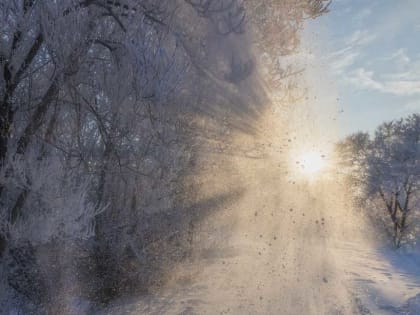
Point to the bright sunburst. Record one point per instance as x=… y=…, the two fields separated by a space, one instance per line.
x=311 y=163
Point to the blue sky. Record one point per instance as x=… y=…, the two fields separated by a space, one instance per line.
x=371 y=51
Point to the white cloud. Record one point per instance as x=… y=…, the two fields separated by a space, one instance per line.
x=364 y=79
x=362 y=61
x=340 y=62
x=360 y=38
x=343 y=59
x=402 y=87
x=399 y=57
x=409 y=72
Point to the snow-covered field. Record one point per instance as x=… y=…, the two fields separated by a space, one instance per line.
x=280 y=245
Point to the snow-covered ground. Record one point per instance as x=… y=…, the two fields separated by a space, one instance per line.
x=280 y=245
x=383 y=280
x=375 y=285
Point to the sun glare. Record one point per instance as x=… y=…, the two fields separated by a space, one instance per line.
x=311 y=163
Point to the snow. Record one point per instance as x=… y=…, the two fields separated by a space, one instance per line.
x=281 y=246
x=385 y=280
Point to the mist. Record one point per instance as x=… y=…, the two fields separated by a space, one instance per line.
x=180 y=157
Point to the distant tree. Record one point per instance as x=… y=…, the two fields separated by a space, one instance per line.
x=386 y=167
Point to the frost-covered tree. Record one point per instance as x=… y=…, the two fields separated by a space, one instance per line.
x=82 y=91
x=103 y=105
x=387 y=167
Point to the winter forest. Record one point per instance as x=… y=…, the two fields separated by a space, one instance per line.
x=171 y=157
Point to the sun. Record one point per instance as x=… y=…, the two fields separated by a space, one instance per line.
x=311 y=163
